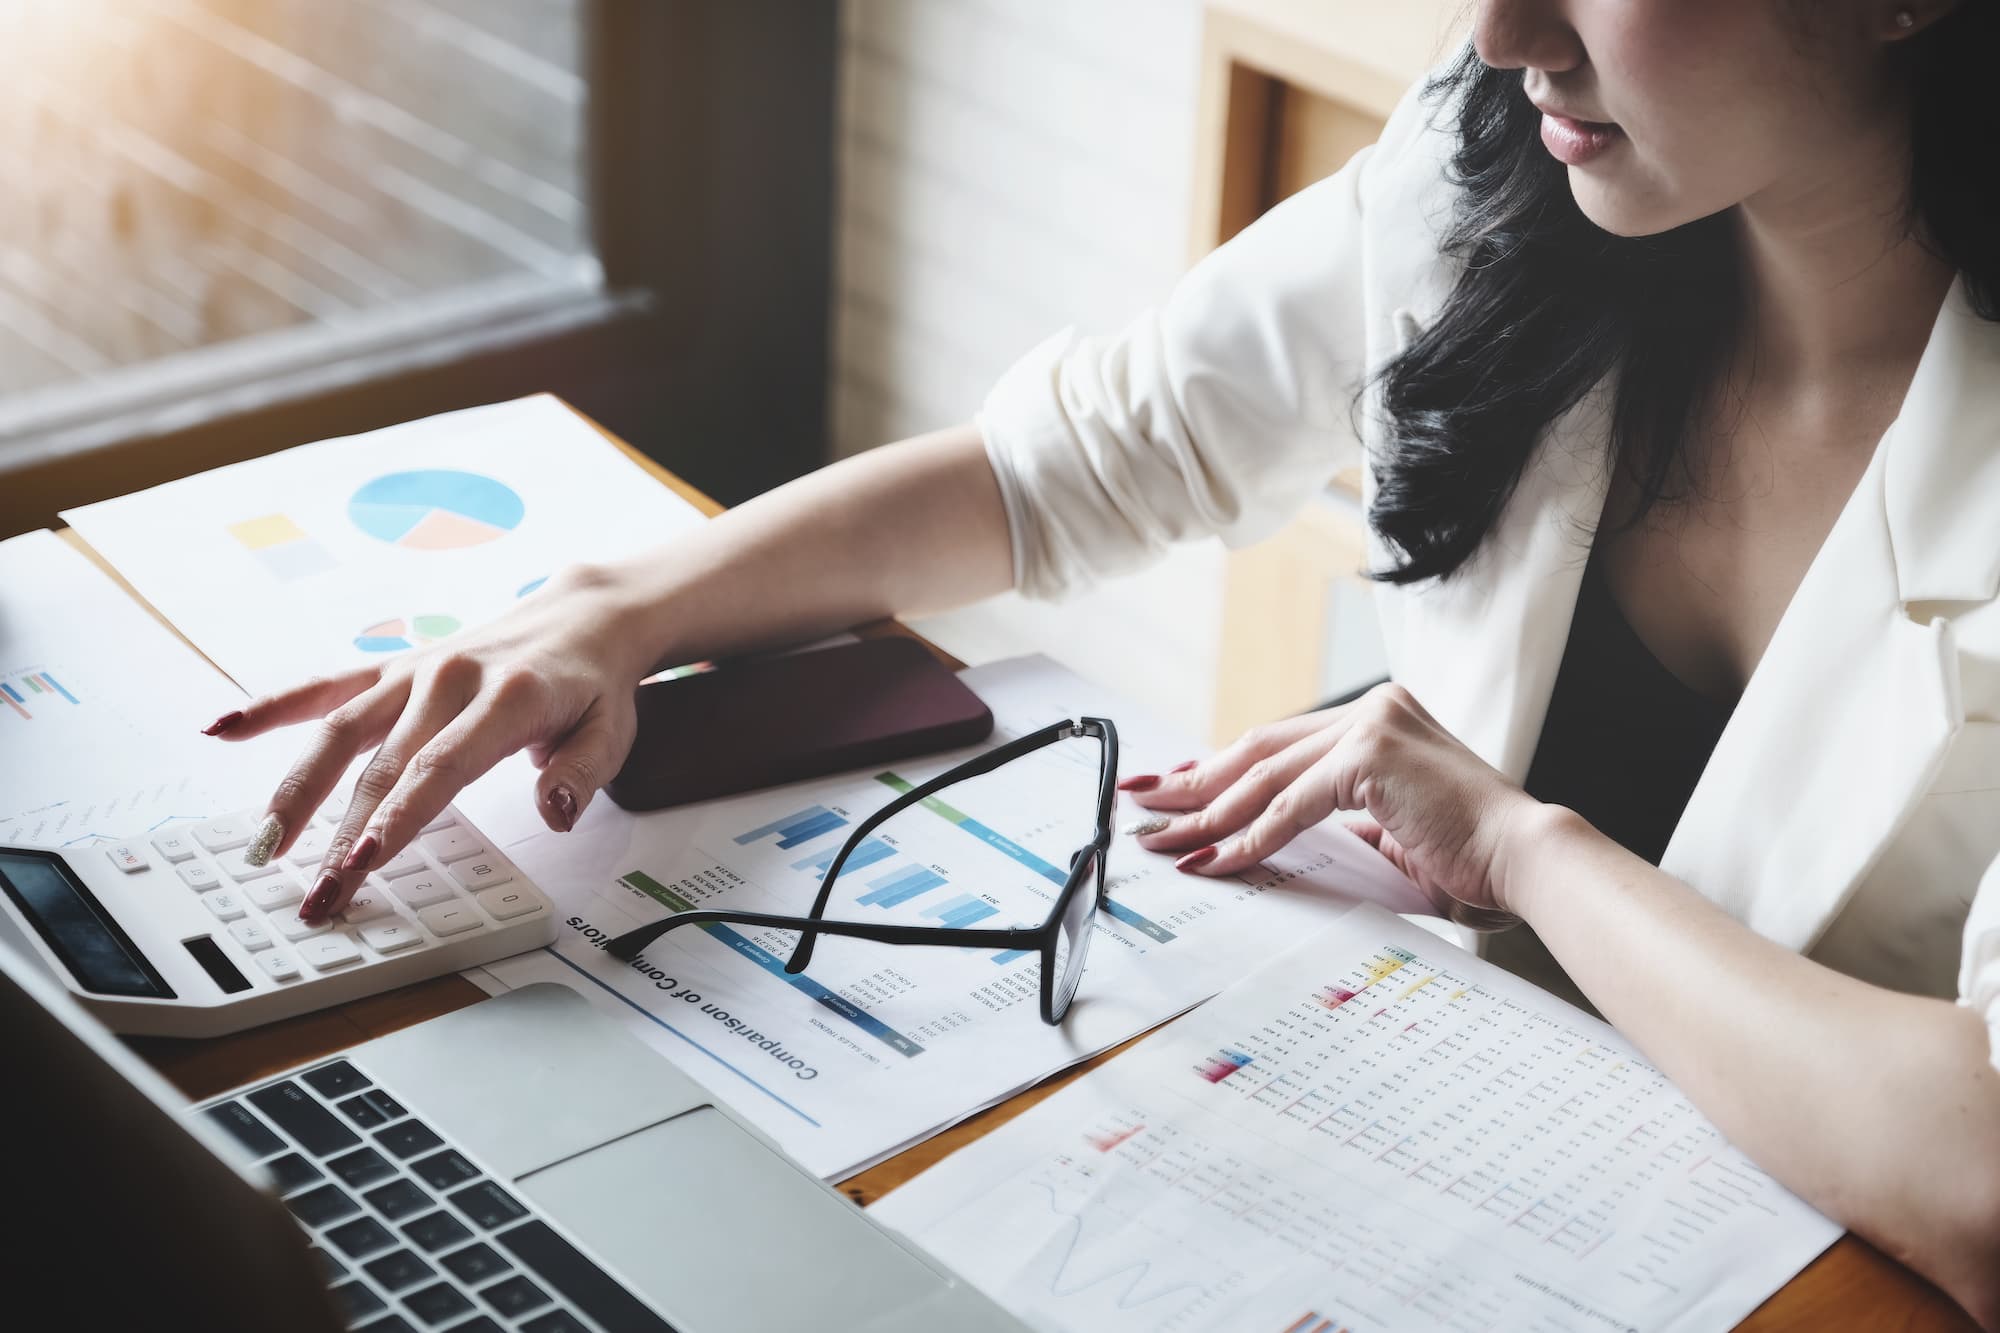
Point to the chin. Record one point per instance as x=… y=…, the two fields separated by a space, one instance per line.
x=1625 y=210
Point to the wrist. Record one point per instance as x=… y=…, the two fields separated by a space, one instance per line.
x=631 y=602
x=1537 y=840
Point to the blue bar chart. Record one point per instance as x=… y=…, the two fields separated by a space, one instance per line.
x=899 y=887
x=964 y=910
x=801 y=826
x=867 y=854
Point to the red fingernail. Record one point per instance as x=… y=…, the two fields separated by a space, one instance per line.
x=361 y=853
x=1184 y=767
x=222 y=724
x=1143 y=782
x=1195 y=859
x=564 y=805
x=320 y=901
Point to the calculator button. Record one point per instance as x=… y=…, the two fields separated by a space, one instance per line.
x=453 y=844
x=452 y=918
x=444 y=818
x=369 y=902
x=405 y=862
x=199 y=876
x=422 y=891
x=127 y=857
x=250 y=934
x=310 y=849
x=481 y=872
x=234 y=866
x=173 y=848
x=226 y=906
x=225 y=834
x=391 y=936
x=269 y=895
x=289 y=925
x=335 y=808
x=277 y=966
x=329 y=951
x=506 y=904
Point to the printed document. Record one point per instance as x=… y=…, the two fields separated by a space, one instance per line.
x=346 y=552
x=1378 y=1131
x=874 y=1046
x=101 y=709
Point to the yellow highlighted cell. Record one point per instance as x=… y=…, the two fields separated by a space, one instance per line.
x=262 y=533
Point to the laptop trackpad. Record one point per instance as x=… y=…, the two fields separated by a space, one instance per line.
x=721 y=1233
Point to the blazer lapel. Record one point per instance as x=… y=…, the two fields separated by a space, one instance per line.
x=1480 y=650
x=1849 y=715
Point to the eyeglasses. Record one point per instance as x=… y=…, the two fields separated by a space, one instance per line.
x=1062 y=939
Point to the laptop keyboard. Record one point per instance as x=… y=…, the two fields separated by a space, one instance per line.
x=412 y=1232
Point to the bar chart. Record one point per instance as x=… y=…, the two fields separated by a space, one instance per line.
x=964 y=910
x=32 y=688
x=899 y=887
x=867 y=854
x=799 y=827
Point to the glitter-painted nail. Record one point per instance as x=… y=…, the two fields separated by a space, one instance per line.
x=264 y=841
x=1139 y=828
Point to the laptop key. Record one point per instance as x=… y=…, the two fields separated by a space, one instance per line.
x=555 y=1321
x=390 y=1108
x=362 y=1167
x=399 y=1269
x=445 y=1169
x=362 y=1236
x=409 y=1139
x=364 y=1113
x=329 y=1264
x=294 y=1110
x=322 y=1207
x=356 y=1301
x=484 y=1325
x=387 y=1324
x=514 y=1297
x=436 y=1231
x=337 y=1079
x=487 y=1205
x=475 y=1263
x=291 y=1172
x=398 y=1199
x=255 y=1136
x=436 y=1304
x=560 y=1264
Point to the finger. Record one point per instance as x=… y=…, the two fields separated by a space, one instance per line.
x=435 y=698
x=1190 y=787
x=344 y=732
x=301 y=703
x=586 y=759
x=1246 y=798
x=480 y=736
x=1317 y=793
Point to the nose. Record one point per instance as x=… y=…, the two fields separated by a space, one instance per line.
x=1526 y=34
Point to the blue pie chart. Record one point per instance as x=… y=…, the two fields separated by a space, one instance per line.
x=436 y=509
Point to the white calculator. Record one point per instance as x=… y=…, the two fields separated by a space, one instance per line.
x=173 y=934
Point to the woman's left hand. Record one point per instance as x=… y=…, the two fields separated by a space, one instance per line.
x=1443 y=815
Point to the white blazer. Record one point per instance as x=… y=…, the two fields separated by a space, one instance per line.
x=1851 y=809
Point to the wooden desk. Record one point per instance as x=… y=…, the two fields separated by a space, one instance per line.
x=1852 y=1286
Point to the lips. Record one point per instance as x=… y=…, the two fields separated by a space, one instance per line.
x=1574 y=142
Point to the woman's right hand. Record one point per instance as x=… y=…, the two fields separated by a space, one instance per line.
x=554 y=676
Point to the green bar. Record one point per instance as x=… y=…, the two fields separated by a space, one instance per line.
x=657 y=891
x=35 y=685
x=930 y=803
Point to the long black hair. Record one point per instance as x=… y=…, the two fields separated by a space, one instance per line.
x=1547 y=304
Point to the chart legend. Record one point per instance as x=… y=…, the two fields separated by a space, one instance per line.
x=281 y=547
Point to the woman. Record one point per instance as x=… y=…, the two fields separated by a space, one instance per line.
x=1663 y=327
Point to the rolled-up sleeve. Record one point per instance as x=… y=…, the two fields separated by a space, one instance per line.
x=1221 y=412
x=1979 y=973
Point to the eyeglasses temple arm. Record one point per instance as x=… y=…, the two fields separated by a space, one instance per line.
x=629 y=945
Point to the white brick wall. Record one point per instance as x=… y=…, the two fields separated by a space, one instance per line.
x=1007 y=168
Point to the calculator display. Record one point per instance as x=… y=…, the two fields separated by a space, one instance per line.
x=76 y=927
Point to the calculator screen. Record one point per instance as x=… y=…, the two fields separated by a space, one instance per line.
x=75 y=925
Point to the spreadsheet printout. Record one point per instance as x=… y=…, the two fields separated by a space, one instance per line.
x=1377 y=1131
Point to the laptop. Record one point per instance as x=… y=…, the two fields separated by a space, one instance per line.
x=520 y=1164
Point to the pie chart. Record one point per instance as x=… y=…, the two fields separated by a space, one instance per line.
x=393 y=636
x=435 y=509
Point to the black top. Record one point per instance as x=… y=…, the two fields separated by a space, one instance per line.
x=1624 y=740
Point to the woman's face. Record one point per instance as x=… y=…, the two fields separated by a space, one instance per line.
x=1666 y=111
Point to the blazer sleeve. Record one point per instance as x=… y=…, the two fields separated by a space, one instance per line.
x=1221 y=412
x=1979 y=973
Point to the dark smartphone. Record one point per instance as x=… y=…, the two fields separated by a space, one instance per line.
x=772 y=720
